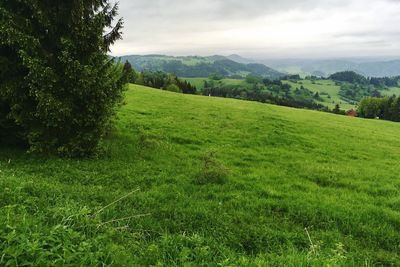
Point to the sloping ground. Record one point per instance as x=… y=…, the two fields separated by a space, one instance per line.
x=270 y=173
x=199 y=82
x=328 y=90
x=392 y=91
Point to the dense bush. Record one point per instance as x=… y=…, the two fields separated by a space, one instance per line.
x=173 y=88
x=371 y=107
x=386 y=108
x=58 y=87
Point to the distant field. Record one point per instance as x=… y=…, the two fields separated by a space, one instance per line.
x=189 y=61
x=392 y=91
x=201 y=181
x=321 y=86
x=199 y=82
x=192 y=61
x=324 y=86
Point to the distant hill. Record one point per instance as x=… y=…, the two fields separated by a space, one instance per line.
x=236 y=66
x=240 y=59
x=368 y=68
x=380 y=69
x=195 y=66
x=348 y=76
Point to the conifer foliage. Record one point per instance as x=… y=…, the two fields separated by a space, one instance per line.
x=58 y=87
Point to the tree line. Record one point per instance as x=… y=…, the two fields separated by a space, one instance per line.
x=354 y=87
x=265 y=91
x=159 y=80
x=385 y=108
x=355 y=78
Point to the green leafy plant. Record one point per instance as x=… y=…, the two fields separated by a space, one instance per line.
x=173 y=88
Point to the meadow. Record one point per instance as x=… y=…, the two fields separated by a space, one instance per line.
x=392 y=91
x=199 y=82
x=200 y=181
x=328 y=91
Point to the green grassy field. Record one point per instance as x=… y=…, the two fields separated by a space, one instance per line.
x=324 y=86
x=199 y=181
x=392 y=91
x=199 y=82
x=192 y=61
x=321 y=86
x=189 y=61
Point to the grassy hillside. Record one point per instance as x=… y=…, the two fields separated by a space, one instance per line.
x=199 y=181
x=392 y=91
x=199 y=82
x=328 y=90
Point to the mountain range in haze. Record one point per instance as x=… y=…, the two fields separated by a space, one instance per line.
x=235 y=66
x=195 y=66
x=326 y=67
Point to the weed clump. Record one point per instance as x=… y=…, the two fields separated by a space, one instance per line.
x=212 y=171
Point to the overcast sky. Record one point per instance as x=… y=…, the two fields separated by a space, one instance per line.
x=261 y=28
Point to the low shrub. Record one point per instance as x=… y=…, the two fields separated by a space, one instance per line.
x=173 y=88
x=212 y=171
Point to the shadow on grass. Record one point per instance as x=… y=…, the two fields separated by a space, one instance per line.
x=12 y=149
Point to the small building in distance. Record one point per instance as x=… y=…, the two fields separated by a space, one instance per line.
x=352 y=113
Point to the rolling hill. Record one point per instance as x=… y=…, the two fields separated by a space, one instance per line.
x=199 y=181
x=328 y=90
x=368 y=67
x=194 y=66
x=304 y=67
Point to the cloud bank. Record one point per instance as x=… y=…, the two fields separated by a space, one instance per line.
x=261 y=28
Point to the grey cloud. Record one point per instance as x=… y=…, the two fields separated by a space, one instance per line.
x=363 y=34
x=217 y=9
x=194 y=26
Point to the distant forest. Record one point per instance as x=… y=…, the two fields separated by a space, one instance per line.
x=201 y=66
x=354 y=88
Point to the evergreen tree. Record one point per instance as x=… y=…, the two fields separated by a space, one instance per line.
x=129 y=73
x=387 y=108
x=58 y=87
x=395 y=110
x=336 y=110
